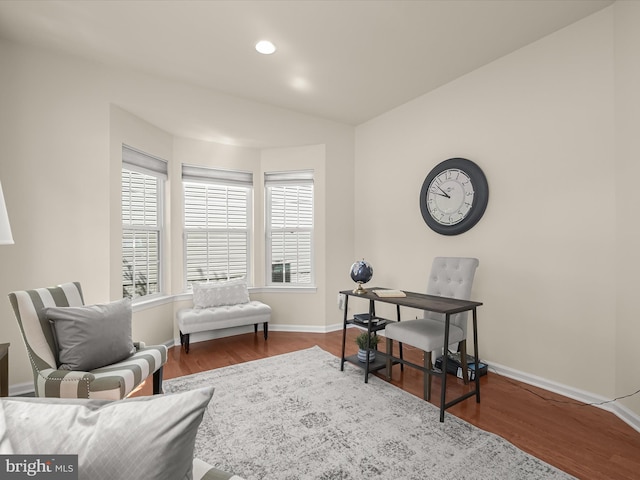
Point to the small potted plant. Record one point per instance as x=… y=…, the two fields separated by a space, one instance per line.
x=367 y=342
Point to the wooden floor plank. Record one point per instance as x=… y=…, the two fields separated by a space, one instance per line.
x=585 y=441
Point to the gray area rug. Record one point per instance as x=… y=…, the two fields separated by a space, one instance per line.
x=297 y=416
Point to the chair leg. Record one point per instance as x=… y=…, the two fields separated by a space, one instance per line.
x=265 y=328
x=462 y=349
x=389 y=354
x=157 y=381
x=427 y=377
x=255 y=328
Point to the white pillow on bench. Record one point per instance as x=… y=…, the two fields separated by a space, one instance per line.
x=216 y=294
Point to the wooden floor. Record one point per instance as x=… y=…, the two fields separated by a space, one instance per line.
x=585 y=441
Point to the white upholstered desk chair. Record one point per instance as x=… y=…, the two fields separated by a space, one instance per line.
x=450 y=277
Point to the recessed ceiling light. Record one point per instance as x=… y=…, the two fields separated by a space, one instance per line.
x=265 y=47
x=301 y=84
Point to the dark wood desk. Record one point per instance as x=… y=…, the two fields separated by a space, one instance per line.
x=420 y=301
x=4 y=370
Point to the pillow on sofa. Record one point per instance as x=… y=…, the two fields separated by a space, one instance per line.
x=216 y=294
x=142 y=438
x=92 y=336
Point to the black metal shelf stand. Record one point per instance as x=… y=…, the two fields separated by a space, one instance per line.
x=372 y=324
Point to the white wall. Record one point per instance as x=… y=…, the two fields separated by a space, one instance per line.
x=293 y=310
x=627 y=166
x=62 y=124
x=540 y=124
x=54 y=166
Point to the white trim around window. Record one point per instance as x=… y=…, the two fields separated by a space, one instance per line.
x=289 y=219
x=142 y=205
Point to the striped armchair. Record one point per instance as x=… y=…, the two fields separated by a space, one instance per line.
x=112 y=382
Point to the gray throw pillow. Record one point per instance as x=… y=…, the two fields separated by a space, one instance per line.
x=143 y=438
x=92 y=336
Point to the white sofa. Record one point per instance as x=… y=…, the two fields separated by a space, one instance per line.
x=219 y=305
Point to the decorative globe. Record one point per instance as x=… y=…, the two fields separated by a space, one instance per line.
x=361 y=272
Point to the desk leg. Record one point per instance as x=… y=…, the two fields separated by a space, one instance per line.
x=344 y=330
x=477 y=355
x=400 y=343
x=443 y=393
x=366 y=365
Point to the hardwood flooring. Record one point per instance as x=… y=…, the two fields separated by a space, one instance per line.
x=583 y=440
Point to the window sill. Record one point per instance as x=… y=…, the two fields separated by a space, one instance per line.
x=283 y=289
x=150 y=301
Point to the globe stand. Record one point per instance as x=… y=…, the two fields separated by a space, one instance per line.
x=359 y=290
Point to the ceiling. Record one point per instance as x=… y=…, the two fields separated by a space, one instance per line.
x=347 y=61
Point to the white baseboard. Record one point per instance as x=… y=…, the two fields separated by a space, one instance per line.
x=306 y=328
x=626 y=415
x=615 y=407
x=21 y=389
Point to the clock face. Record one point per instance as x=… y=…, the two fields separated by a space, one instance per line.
x=450 y=196
x=454 y=196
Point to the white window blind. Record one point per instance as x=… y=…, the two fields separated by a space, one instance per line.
x=142 y=196
x=217 y=219
x=289 y=227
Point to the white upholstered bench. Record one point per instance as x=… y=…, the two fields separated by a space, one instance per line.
x=219 y=305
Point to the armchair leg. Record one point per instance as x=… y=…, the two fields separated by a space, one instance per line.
x=265 y=328
x=462 y=348
x=427 y=376
x=157 y=381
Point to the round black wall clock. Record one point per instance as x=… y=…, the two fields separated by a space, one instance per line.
x=454 y=196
